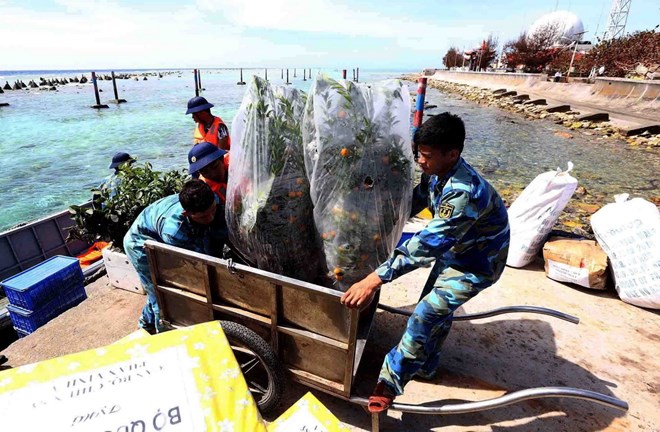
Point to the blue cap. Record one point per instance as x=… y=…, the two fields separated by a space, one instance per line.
x=203 y=154
x=198 y=104
x=120 y=158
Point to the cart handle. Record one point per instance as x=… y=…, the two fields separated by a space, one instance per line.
x=506 y=399
x=494 y=312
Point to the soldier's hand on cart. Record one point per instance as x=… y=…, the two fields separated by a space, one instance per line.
x=360 y=294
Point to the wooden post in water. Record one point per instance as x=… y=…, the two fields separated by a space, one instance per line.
x=282 y=73
x=266 y=74
x=241 y=82
x=199 y=80
x=294 y=72
x=96 y=93
x=310 y=73
x=419 y=110
x=114 y=87
x=357 y=75
x=287 y=77
x=343 y=73
x=353 y=74
x=196 y=85
x=304 y=74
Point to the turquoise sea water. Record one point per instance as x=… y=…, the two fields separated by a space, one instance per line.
x=54 y=148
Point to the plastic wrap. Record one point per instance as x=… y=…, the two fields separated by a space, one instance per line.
x=269 y=210
x=359 y=161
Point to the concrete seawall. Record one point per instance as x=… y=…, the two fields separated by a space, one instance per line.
x=610 y=94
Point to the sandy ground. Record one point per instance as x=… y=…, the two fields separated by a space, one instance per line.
x=614 y=350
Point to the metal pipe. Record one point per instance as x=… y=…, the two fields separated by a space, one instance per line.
x=491 y=313
x=507 y=399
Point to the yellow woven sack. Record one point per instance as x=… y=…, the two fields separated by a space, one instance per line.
x=308 y=414
x=186 y=379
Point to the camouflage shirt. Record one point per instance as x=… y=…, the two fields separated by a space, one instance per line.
x=469 y=230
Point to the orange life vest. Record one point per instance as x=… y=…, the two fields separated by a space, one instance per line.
x=212 y=135
x=220 y=189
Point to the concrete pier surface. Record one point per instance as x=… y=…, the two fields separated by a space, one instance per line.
x=628 y=102
x=615 y=350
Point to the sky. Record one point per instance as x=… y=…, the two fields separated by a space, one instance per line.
x=383 y=34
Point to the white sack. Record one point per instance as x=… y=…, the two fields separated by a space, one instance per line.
x=629 y=232
x=533 y=214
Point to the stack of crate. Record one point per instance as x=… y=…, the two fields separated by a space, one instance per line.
x=43 y=292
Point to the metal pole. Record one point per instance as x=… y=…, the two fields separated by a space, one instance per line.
x=114 y=86
x=568 y=74
x=196 y=85
x=96 y=93
x=96 y=89
x=419 y=109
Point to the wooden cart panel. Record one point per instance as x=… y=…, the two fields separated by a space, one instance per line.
x=317 y=339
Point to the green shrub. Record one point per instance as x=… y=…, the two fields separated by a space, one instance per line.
x=112 y=214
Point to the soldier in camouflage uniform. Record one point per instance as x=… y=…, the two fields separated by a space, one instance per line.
x=468 y=238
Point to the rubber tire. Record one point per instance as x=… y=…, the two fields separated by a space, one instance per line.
x=242 y=336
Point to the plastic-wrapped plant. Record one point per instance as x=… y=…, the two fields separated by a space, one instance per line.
x=269 y=210
x=359 y=160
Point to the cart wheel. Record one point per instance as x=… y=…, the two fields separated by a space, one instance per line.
x=259 y=364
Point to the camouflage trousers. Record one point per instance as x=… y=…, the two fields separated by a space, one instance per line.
x=150 y=318
x=418 y=352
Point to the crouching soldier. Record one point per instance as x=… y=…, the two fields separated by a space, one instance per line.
x=193 y=219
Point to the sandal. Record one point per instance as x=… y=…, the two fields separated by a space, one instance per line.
x=381 y=399
x=378 y=404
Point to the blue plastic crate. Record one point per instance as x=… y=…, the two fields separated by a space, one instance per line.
x=21 y=334
x=36 y=286
x=28 y=321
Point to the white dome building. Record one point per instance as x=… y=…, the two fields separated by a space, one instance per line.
x=569 y=26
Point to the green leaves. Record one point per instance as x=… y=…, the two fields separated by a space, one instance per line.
x=116 y=204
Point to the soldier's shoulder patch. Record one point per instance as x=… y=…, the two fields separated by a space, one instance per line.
x=445 y=210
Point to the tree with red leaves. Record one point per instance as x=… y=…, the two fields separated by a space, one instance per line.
x=533 y=51
x=621 y=57
x=453 y=58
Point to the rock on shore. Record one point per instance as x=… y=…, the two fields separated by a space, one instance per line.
x=568 y=119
